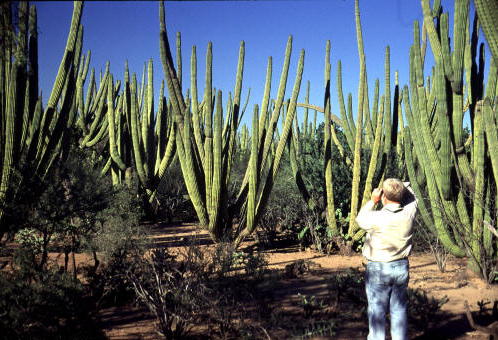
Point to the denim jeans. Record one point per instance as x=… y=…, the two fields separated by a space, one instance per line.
x=386 y=286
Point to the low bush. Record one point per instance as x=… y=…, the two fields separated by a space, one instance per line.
x=43 y=304
x=423 y=310
x=172 y=201
x=77 y=211
x=171 y=291
x=119 y=240
x=196 y=287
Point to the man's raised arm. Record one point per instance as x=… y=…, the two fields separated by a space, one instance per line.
x=364 y=218
x=410 y=201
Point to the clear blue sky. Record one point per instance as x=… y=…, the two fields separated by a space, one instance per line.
x=120 y=31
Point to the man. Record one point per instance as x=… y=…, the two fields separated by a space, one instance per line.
x=387 y=246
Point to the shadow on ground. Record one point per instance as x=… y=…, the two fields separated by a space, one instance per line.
x=297 y=301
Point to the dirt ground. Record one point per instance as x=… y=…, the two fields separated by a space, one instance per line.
x=457 y=284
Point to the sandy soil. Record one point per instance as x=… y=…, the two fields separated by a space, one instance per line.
x=457 y=284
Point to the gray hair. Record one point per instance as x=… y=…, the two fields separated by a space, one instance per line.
x=394 y=189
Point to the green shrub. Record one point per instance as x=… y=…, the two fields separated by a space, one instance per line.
x=76 y=210
x=173 y=204
x=45 y=304
x=310 y=304
x=424 y=310
x=286 y=208
x=315 y=329
x=118 y=240
x=171 y=290
x=65 y=210
x=197 y=286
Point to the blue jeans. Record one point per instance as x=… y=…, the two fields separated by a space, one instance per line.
x=386 y=286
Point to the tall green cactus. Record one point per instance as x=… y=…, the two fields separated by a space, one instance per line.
x=359 y=124
x=372 y=135
x=267 y=185
x=30 y=133
x=329 y=130
x=206 y=150
x=385 y=132
x=136 y=136
x=455 y=174
x=487 y=10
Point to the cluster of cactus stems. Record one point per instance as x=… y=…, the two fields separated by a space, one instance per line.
x=135 y=135
x=124 y=123
x=487 y=11
x=206 y=142
x=120 y=119
x=374 y=133
x=453 y=171
x=30 y=134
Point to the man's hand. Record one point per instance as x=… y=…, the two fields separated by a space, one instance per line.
x=376 y=195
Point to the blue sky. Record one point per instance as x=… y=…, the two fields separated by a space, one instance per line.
x=120 y=31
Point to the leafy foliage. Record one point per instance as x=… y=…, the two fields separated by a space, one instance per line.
x=64 y=211
x=118 y=240
x=45 y=304
x=174 y=204
x=75 y=210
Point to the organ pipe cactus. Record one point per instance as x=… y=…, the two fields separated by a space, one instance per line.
x=373 y=134
x=383 y=140
x=94 y=108
x=454 y=173
x=487 y=10
x=329 y=130
x=348 y=125
x=274 y=165
x=359 y=124
x=207 y=176
x=124 y=121
x=31 y=133
x=113 y=148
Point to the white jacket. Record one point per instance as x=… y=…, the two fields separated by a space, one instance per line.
x=389 y=230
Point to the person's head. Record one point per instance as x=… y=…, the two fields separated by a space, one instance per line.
x=393 y=190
